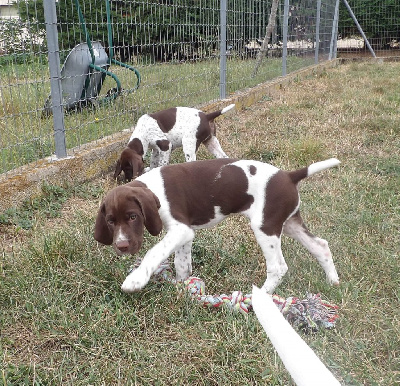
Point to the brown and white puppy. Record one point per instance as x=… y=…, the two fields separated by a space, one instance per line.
x=195 y=195
x=163 y=132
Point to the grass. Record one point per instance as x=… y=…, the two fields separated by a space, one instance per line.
x=65 y=321
x=26 y=136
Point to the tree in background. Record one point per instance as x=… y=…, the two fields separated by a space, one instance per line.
x=153 y=28
x=21 y=37
x=69 y=29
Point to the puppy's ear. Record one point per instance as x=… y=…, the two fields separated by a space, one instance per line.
x=101 y=232
x=118 y=169
x=149 y=205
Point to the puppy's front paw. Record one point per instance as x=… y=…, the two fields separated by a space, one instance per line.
x=135 y=281
x=333 y=280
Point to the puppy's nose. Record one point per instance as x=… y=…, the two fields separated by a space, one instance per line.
x=122 y=245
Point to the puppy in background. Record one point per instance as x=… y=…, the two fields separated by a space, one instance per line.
x=163 y=132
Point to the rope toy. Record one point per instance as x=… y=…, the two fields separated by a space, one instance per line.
x=309 y=314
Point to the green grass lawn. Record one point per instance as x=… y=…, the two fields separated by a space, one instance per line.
x=64 y=319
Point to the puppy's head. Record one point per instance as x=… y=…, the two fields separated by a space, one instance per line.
x=131 y=161
x=122 y=216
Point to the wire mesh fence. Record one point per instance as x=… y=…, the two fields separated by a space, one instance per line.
x=380 y=22
x=115 y=60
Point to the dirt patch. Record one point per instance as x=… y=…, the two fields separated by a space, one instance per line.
x=33 y=347
x=12 y=238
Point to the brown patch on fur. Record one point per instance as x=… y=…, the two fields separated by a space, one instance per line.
x=281 y=199
x=231 y=190
x=252 y=170
x=206 y=128
x=297 y=175
x=193 y=190
x=211 y=116
x=136 y=145
x=163 y=144
x=165 y=119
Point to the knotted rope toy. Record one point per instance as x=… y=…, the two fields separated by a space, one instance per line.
x=309 y=314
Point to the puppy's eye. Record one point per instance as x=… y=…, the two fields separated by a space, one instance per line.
x=133 y=217
x=110 y=221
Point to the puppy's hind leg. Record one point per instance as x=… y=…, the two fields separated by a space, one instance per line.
x=295 y=228
x=276 y=265
x=159 y=157
x=214 y=147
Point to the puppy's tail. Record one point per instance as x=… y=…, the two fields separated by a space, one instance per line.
x=297 y=175
x=215 y=114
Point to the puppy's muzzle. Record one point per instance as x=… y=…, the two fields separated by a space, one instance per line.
x=122 y=247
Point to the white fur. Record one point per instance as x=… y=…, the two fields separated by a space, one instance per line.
x=270 y=245
x=215 y=148
x=227 y=108
x=322 y=165
x=121 y=237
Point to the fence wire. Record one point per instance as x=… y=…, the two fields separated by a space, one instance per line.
x=379 y=20
x=173 y=47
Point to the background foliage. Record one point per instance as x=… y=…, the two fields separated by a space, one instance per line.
x=382 y=16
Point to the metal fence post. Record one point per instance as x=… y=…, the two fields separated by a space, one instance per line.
x=222 y=62
x=359 y=28
x=55 y=77
x=317 y=31
x=285 y=37
x=332 y=50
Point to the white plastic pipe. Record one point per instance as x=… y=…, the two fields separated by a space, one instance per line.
x=299 y=359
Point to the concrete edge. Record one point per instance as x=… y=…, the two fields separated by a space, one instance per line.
x=97 y=158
